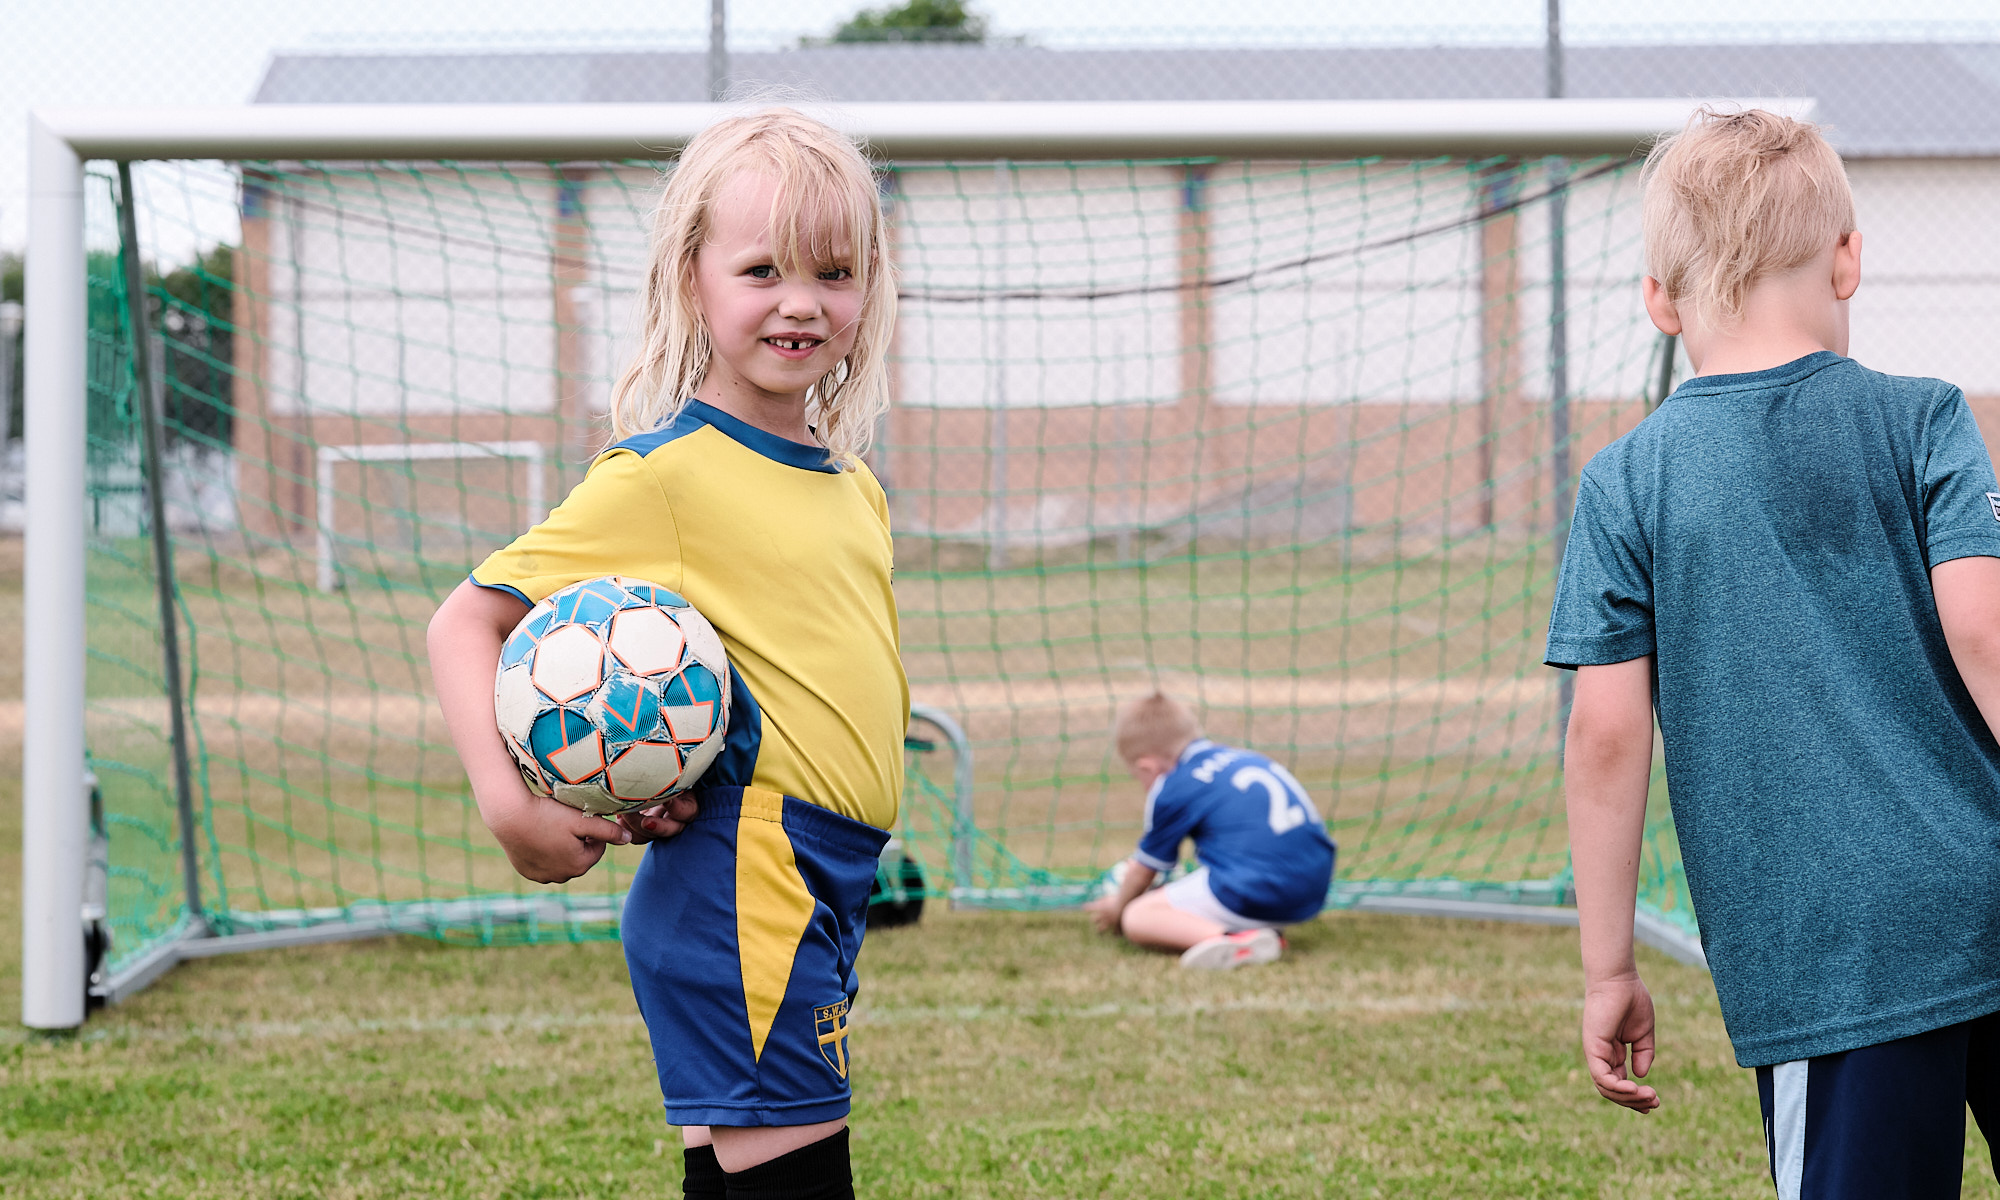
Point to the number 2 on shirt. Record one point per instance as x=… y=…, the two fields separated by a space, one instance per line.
x=1290 y=807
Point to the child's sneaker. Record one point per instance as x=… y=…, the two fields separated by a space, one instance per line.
x=1234 y=950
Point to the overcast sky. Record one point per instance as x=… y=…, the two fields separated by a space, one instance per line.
x=140 y=52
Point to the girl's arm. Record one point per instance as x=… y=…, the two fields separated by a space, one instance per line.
x=546 y=841
x=1607 y=764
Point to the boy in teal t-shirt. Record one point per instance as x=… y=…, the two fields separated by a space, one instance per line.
x=1796 y=563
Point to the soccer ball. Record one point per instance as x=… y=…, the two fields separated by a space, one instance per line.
x=612 y=694
x=1114 y=879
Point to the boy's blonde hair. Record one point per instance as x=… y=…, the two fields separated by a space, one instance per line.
x=1735 y=197
x=1158 y=725
x=821 y=176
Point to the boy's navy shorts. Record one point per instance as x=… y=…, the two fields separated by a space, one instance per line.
x=1884 y=1122
x=741 y=933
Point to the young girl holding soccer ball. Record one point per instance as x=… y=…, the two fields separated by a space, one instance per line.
x=735 y=479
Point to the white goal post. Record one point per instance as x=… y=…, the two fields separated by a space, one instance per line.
x=55 y=818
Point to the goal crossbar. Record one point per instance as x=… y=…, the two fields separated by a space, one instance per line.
x=62 y=140
x=1014 y=129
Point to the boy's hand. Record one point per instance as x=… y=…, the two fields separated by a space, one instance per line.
x=1105 y=913
x=1618 y=1013
x=661 y=821
x=546 y=841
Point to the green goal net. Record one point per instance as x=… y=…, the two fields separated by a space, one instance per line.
x=1293 y=440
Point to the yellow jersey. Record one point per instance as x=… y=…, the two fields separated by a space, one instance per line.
x=788 y=555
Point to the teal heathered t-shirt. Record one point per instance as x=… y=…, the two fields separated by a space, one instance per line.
x=1769 y=538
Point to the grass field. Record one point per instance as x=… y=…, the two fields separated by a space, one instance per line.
x=997 y=1054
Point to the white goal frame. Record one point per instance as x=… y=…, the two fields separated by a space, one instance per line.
x=55 y=819
x=534 y=505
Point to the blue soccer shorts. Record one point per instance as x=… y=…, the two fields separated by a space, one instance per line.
x=1884 y=1122
x=741 y=933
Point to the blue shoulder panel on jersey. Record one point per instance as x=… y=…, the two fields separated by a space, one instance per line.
x=770 y=445
x=643 y=444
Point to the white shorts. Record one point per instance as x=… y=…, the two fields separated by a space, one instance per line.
x=1191 y=894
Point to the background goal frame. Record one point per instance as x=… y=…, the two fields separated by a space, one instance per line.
x=534 y=504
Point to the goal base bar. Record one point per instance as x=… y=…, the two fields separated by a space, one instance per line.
x=311 y=927
x=1647 y=928
x=1535 y=902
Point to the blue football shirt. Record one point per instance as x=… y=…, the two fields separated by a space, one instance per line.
x=1768 y=537
x=1255 y=829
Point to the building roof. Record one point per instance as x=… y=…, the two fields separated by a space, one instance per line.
x=1882 y=100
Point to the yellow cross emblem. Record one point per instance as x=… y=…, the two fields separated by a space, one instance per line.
x=832 y=1022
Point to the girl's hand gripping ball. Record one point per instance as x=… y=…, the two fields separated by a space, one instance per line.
x=613 y=695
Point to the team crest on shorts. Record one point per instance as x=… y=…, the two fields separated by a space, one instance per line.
x=832 y=1022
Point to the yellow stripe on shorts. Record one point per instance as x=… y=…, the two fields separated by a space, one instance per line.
x=773 y=907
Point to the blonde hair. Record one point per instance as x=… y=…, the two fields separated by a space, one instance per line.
x=1735 y=197
x=1157 y=724
x=820 y=176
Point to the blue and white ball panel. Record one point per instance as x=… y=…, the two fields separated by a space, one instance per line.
x=644 y=770
x=518 y=646
x=647 y=641
x=566 y=746
x=624 y=710
x=531 y=773
x=699 y=758
x=650 y=593
x=516 y=700
x=688 y=704
x=612 y=694
x=591 y=603
x=569 y=663
x=704 y=644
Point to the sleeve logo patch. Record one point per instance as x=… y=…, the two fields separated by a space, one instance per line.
x=1993 y=498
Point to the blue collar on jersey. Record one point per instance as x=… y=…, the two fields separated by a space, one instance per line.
x=770 y=445
x=743 y=433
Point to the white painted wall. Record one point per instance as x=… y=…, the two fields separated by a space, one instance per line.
x=1929 y=302
x=403 y=304
x=1062 y=231
x=423 y=293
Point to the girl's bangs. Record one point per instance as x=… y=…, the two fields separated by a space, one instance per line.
x=814 y=212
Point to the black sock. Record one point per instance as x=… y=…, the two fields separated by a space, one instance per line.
x=816 y=1172
x=704 y=1179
